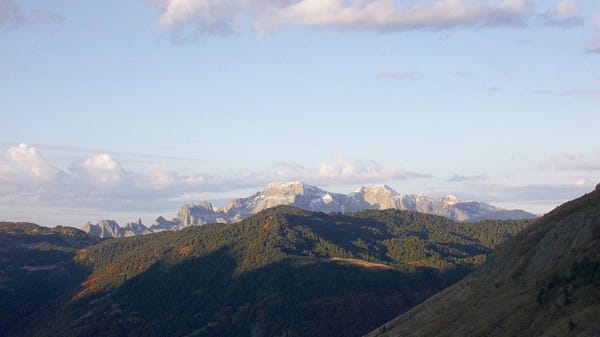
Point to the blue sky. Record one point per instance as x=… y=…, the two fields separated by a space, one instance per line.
x=120 y=109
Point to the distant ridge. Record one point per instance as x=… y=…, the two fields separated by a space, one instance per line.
x=312 y=198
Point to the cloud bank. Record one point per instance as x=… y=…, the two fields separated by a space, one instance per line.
x=572 y=161
x=187 y=19
x=101 y=182
x=10 y=15
x=343 y=171
x=100 y=185
x=563 y=14
x=389 y=15
x=594 y=46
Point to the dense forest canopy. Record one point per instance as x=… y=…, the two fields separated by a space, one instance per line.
x=284 y=271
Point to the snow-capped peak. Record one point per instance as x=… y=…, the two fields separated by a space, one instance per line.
x=327 y=198
x=451 y=199
x=312 y=198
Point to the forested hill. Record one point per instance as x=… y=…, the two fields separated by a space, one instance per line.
x=284 y=271
x=37 y=266
x=543 y=282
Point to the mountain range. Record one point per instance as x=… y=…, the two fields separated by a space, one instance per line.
x=289 y=272
x=311 y=198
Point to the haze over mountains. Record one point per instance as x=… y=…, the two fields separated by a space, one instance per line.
x=311 y=198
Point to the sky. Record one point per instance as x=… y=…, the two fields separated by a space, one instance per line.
x=132 y=108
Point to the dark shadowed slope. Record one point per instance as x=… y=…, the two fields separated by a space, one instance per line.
x=37 y=268
x=282 y=272
x=543 y=282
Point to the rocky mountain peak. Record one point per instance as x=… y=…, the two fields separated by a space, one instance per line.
x=382 y=196
x=134 y=228
x=233 y=204
x=160 y=220
x=103 y=229
x=161 y=224
x=312 y=198
x=450 y=199
x=206 y=205
x=284 y=189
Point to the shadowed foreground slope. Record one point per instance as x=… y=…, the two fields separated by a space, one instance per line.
x=543 y=282
x=37 y=267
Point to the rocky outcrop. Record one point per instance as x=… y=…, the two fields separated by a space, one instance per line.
x=103 y=229
x=162 y=224
x=135 y=228
x=190 y=215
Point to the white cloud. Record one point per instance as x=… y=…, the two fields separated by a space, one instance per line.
x=187 y=19
x=574 y=161
x=101 y=182
x=594 y=47
x=356 y=171
x=388 y=15
x=596 y=18
x=160 y=176
x=26 y=164
x=539 y=192
x=45 y=17
x=581 y=182
x=576 y=93
x=99 y=171
x=463 y=178
x=10 y=15
x=538 y=198
x=566 y=7
x=343 y=171
x=563 y=14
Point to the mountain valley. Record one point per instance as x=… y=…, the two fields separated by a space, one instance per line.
x=283 y=271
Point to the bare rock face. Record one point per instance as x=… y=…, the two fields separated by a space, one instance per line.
x=111 y=229
x=103 y=229
x=287 y=191
x=190 y=215
x=161 y=224
x=135 y=228
x=312 y=198
x=381 y=196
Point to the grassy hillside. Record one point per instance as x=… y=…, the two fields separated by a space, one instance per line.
x=283 y=272
x=543 y=282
